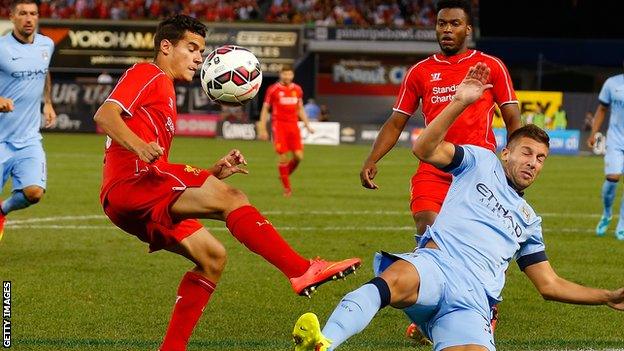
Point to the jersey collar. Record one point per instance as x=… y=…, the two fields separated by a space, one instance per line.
x=455 y=58
x=511 y=184
x=20 y=41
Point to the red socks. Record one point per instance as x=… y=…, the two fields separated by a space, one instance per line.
x=253 y=230
x=292 y=165
x=193 y=295
x=284 y=172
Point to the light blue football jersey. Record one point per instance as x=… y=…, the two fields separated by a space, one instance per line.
x=612 y=95
x=484 y=223
x=23 y=70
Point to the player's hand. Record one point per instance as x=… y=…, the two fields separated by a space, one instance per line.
x=49 y=114
x=310 y=129
x=617 y=300
x=149 y=152
x=263 y=135
x=6 y=104
x=367 y=174
x=591 y=141
x=230 y=164
x=473 y=85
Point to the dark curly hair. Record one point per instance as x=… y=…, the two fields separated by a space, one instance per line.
x=173 y=29
x=456 y=4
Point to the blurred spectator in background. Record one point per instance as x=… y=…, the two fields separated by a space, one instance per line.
x=324 y=117
x=539 y=118
x=560 y=120
x=312 y=110
x=104 y=78
x=362 y=13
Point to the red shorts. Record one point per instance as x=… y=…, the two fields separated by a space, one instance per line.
x=428 y=189
x=141 y=205
x=286 y=137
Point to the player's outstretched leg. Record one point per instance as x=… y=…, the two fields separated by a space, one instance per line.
x=609 y=188
x=258 y=234
x=352 y=314
x=216 y=200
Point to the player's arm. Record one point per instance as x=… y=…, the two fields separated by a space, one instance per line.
x=262 y=123
x=48 y=110
x=108 y=117
x=430 y=146
x=511 y=115
x=304 y=117
x=599 y=117
x=6 y=104
x=552 y=287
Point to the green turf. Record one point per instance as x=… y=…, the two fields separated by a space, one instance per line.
x=81 y=284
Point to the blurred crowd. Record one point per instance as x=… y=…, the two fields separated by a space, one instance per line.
x=362 y=13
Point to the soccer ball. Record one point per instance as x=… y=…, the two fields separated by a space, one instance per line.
x=231 y=75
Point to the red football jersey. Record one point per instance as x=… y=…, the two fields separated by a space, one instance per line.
x=284 y=101
x=147 y=97
x=434 y=80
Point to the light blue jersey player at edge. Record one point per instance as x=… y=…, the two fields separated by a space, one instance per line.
x=24 y=81
x=447 y=286
x=611 y=97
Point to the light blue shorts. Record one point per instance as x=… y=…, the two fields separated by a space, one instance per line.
x=452 y=307
x=26 y=165
x=613 y=161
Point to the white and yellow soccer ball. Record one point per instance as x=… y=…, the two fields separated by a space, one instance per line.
x=231 y=75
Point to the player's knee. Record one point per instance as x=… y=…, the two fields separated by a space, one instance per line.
x=215 y=261
x=236 y=197
x=298 y=157
x=33 y=194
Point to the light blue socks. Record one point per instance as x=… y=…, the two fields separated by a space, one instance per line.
x=355 y=311
x=17 y=201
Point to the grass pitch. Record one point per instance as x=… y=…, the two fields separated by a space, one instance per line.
x=81 y=284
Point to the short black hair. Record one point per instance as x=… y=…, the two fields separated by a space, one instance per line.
x=456 y=4
x=14 y=3
x=174 y=27
x=530 y=131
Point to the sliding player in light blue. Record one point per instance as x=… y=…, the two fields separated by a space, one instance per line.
x=447 y=286
x=611 y=97
x=24 y=80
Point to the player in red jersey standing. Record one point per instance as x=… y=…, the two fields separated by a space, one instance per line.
x=157 y=201
x=285 y=99
x=431 y=83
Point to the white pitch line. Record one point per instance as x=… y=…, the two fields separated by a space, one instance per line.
x=300 y=229
x=54 y=219
x=286 y=213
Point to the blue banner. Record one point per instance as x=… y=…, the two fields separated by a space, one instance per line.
x=562 y=142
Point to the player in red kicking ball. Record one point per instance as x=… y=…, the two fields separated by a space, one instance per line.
x=285 y=100
x=157 y=201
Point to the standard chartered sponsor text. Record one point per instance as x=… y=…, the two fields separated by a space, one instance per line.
x=127 y=60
